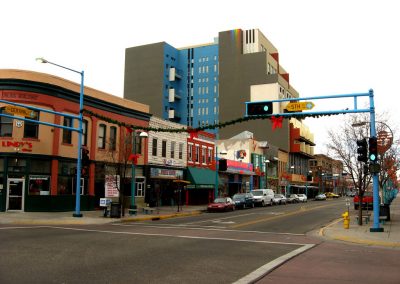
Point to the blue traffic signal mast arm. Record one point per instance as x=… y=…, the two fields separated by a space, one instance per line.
x=268 y=111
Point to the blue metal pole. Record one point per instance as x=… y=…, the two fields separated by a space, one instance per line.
x=133 y=183
x=375 y=180
x=79 y=163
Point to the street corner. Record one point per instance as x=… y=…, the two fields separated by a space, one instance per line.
x=356 y=234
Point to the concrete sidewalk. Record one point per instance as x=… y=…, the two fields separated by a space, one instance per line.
x=390 y=237
x=95 y=217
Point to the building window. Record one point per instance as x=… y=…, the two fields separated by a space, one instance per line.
x=101 y=140
x=154 y=147
x=190 y=152
x=203 y=155
x=6 y=125
x=197 y=153
x=209 y=156
x=113 y=138
x=67 y=134
x=31 y=129
x=85 y=124
x=164 y=148
x=180 y=151
x=173 y=150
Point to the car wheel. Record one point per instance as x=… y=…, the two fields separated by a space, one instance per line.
x=262 y=203
x=252 y=205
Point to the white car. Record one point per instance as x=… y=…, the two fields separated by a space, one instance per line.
x=302 y=197
x=263 y=197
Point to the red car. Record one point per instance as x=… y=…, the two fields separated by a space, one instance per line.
x=221 y=204
x=367 y=200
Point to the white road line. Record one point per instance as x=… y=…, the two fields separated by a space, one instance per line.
x=225 y=218
x=265 y=269
x=26 y=227
x=206 y=228
x=172 y=236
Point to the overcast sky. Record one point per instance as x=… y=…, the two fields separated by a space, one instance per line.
x=328 y=47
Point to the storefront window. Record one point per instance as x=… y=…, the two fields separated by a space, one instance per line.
x=66 y=172
x=39 y=185
x=31 y=129
x=6 y=125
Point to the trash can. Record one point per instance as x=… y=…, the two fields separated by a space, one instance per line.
x=115 y=211
x=384 y=210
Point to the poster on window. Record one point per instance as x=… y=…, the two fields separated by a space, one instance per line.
x=112 y=184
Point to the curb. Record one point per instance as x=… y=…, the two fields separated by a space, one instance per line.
x=354 y=240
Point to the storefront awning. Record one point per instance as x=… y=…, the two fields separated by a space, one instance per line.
x=198 y=176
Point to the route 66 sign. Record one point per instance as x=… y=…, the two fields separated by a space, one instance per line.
x=19 y=123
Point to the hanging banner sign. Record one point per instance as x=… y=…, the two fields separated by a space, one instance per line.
x=112 y=184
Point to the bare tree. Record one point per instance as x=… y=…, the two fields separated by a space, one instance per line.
x=120 y=157
x=343 y=146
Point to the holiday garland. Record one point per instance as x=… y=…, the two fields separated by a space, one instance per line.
x=202 y=128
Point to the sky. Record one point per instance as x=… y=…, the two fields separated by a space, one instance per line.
x=328 y=47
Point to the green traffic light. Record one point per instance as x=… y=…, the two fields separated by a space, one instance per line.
x=266 y=108
x=372 y=157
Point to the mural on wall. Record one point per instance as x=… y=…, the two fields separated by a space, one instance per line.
x=241 y=154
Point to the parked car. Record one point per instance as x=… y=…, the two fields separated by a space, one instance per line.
x=279 y=199
x=331 y=195
x=221 y=204
x=302 y=197
x=263 y=197
x=292 y=198
x=243 y=200
x=320 y=196
x=367 y=200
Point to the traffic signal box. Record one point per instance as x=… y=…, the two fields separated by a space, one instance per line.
x=362 y=150
x=259 y=108
x=373 y=149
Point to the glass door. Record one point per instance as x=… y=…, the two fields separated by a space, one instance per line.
x=15 y=193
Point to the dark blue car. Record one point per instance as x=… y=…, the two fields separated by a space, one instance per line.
x=243 y=200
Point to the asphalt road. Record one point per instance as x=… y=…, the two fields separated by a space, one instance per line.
x=210 y=248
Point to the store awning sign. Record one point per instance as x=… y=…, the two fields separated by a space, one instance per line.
x=20 y=111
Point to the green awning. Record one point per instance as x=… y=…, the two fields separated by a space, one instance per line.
x=199 y=176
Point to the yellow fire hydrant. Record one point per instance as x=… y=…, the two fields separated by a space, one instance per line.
x=346 y=220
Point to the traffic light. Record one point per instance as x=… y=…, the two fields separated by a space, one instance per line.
x=259 y=108
x=362 y=150
x=222 y=165
x=373 y=149
x=85 y=157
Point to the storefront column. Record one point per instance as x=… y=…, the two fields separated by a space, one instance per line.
x=54 y=177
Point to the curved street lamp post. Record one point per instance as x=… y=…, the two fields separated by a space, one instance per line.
x=77 y=212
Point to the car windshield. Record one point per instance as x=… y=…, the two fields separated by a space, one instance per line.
x=257 y=193
x=277 y=196
x=220 y=200
x=238 y=197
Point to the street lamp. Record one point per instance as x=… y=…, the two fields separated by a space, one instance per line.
x=266 y=172
x=80 y=119
x=133 y=183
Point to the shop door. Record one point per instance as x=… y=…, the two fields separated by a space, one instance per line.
x=15 y=193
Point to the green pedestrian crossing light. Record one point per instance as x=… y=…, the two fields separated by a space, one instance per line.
x=373 y=149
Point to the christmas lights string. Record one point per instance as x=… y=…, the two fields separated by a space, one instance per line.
x=276 y=120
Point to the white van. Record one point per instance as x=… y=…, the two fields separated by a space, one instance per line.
x=263 y=196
